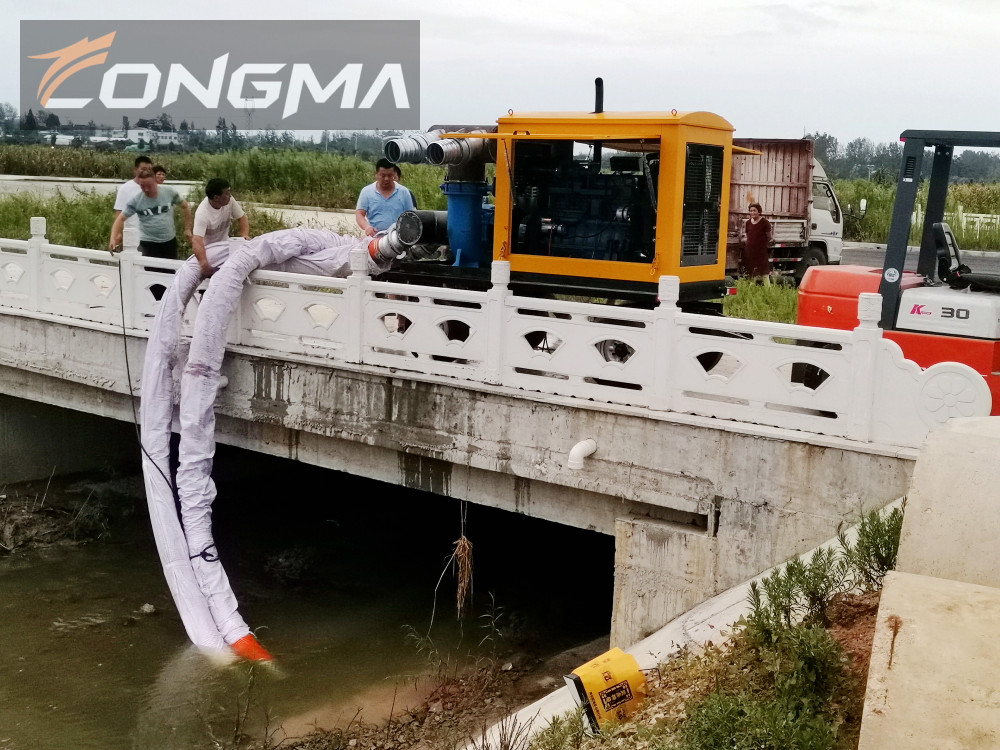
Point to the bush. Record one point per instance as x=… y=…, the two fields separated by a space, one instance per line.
x=874 y=552
x=739 y=722
x=797 y=591
x=803 y=590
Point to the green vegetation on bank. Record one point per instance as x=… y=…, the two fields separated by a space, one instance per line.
x=973 y=198
x=780 y=682
x=288 y=176
x=774 y=301
x=280 y=176
x=84 y=219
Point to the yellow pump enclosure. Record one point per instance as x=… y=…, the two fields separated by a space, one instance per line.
x=609 y=687
x=557 y=173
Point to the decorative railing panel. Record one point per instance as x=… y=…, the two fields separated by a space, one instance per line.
x=852 y=384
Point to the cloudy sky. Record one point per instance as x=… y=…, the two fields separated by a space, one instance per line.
x=853 y=68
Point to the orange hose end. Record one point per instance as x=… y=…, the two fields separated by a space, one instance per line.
x=249 y=649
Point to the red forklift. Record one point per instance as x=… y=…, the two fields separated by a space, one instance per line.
x=943 y=311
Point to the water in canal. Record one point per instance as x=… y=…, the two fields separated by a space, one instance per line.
x=330 y=568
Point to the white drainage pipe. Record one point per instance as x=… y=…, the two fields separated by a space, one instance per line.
x=579 y=452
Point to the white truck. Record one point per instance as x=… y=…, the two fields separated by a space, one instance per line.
x=796 y=197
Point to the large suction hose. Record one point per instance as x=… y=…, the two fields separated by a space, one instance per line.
x=458 y=150
x=410 y=149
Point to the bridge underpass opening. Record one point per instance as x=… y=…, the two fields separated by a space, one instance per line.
x=552 y=584
x=38 y=440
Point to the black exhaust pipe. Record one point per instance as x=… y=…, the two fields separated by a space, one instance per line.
x=598 y=108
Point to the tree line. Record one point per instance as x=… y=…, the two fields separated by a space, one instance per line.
x=862 y=158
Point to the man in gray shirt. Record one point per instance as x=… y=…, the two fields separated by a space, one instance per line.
x=128 y=190
x=155 y=208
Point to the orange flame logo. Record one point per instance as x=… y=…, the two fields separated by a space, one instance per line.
x=70 y=56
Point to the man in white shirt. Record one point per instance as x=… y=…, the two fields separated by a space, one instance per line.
x=213 y=218
x=129 y=190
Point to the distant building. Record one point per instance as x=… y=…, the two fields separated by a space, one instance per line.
x=141 y=135
x=152 y=138
x=163 y=137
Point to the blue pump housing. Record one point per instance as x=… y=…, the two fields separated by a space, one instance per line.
x=466 y=236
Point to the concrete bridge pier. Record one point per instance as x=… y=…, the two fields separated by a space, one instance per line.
x=762 y=500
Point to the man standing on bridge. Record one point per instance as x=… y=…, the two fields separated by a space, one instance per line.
x=155 y=208
x=213 y=218
x=381 y=203
x=129 y=190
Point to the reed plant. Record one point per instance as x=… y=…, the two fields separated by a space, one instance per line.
x=973 y=198
x=279 y=176
x=83 y=218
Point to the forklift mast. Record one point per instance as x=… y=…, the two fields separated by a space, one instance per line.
x=944 y=143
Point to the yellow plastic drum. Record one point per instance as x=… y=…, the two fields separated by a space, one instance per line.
x=610 y=687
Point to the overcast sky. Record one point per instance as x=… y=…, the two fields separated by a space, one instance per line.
x=852 y=68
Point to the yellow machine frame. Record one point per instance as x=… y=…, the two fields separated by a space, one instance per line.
x=674 y=131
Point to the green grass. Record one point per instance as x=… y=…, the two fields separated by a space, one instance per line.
x=84 y=219
x=280 y=176
x=976 y=198
x=768 y=301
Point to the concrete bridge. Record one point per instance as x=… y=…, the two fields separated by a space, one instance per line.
x=695 y=441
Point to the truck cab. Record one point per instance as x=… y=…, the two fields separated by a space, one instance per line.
x=826 y=219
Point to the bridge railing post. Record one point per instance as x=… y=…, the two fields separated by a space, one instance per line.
x=355 y=299
x=496 y=303
x=665 y=338
x=130 y=240
x=126 y=275
x=36 y=259
x=867 y=341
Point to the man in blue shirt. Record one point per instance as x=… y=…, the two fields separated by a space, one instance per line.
x=381 y=203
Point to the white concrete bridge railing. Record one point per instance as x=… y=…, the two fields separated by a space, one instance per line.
x=851 y=384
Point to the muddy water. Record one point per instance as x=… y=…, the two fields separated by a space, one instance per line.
x=331 y=568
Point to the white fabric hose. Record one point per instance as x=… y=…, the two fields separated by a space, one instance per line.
x=156 y=416
x=196 y=577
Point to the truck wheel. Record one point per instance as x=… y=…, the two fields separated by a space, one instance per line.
x=811 y=256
